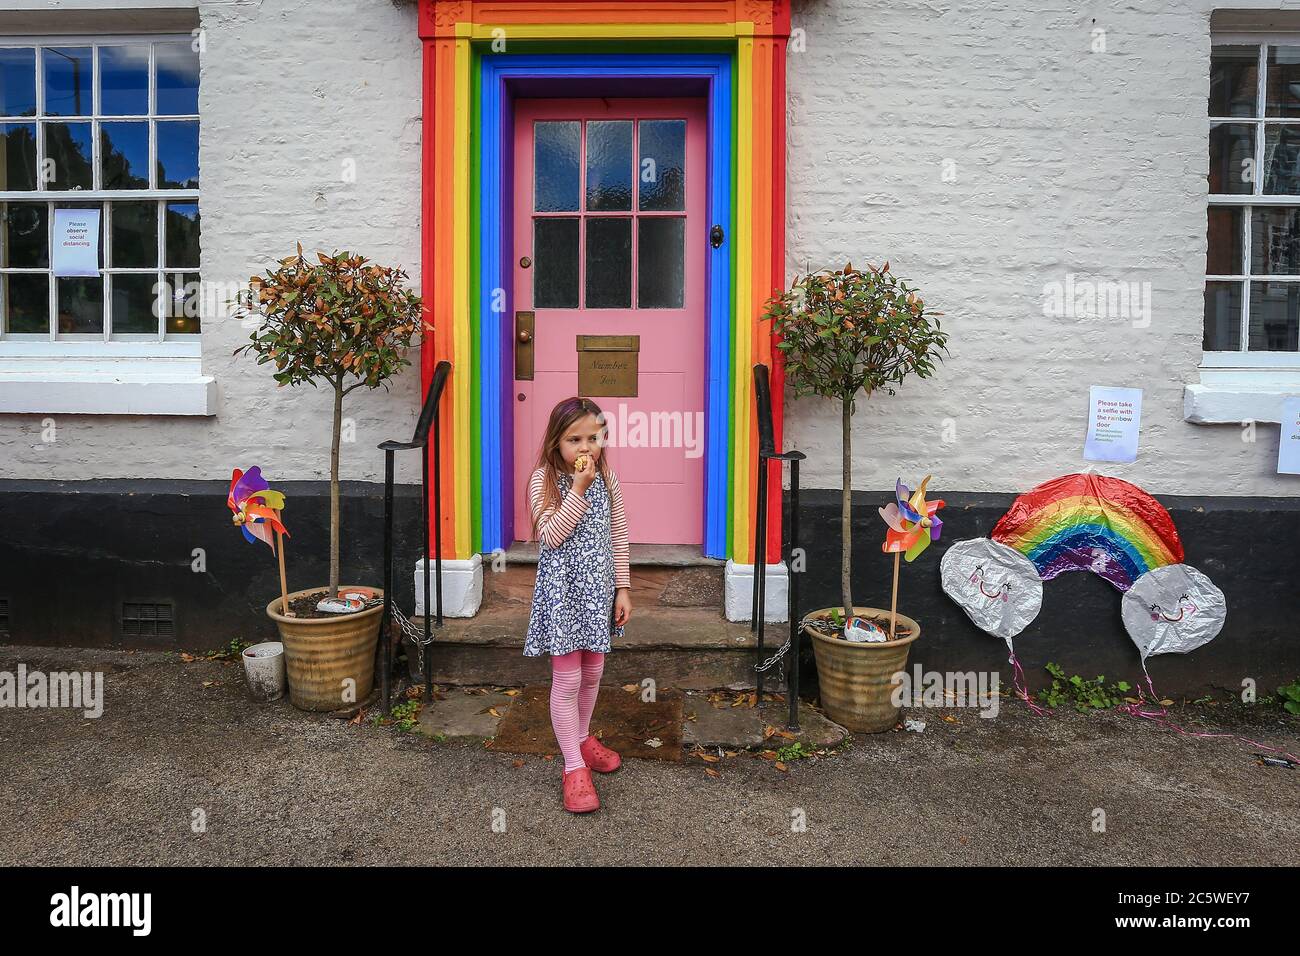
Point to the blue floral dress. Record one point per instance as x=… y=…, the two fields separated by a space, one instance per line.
x=573 y=600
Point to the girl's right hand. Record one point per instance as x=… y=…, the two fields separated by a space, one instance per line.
x=582 y=479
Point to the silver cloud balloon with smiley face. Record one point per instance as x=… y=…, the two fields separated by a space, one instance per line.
x=1173 y=610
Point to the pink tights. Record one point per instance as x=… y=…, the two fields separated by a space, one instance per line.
x=575 y=682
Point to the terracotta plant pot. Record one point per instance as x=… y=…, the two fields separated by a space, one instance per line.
x=856 y=679
x=330 y=660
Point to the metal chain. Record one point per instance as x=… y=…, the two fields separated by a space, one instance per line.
x=774 y=658
x=416 y=634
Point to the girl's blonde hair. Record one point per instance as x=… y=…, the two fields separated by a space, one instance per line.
x=563 y=415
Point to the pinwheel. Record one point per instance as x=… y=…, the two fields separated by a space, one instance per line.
x=257 y=513
x=913 y=524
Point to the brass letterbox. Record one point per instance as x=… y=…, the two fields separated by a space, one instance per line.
x=607 y=364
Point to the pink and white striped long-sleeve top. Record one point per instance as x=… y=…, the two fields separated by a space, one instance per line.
x=556 y=524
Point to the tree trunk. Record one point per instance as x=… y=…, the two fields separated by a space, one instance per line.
x=334 y=489
x=846 y=522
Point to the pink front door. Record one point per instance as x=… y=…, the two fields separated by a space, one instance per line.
x=610 y=239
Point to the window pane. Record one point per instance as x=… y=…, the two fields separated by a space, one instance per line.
x=1222 y=317
x=1282 y=160
x=178 y=155
x=1224 y=240
x=26 y=303
x=555 y=166
x=19 y=170
x=183 y=302
x=1234 y=72
x=135 y=235
x=609 y=165
x=24 y=236
x=124 y=80
x=178 y=79
x=555 y=264
x=1232 y=158
x=17 y=82
x=68 y=149
x=1274 y=241
x=124 y=155
x=182 y=235
x=134 y=303
x=81 y=305
x=609 y=263
x=662 y=165
x=661 y=258
x=68 y=74
x=1274 y=316
x=1282 y=81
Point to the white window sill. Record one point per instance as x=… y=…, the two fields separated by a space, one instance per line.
x=1233 y=392
x=88 y=393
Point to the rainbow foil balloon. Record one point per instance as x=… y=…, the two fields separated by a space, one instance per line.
x=1086 y=522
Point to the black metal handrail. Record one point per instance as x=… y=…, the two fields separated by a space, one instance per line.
x=767 y=453
x=428 y=417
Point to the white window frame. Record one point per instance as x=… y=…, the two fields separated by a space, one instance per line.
x=96 y=373
x=1246 y=385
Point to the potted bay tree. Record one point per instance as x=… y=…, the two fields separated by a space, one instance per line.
x=848 y=334
x=342 y=322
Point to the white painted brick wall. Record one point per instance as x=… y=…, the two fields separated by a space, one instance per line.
x=1066 y=161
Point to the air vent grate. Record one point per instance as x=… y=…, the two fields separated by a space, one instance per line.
x=141 y=619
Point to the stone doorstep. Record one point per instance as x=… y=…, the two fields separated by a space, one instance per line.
x=463 y=717
x=688 y=648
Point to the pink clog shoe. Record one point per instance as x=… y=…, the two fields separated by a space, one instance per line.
x=599 y=757
x=579 y=791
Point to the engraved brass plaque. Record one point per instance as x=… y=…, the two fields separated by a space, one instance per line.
x=607 y=365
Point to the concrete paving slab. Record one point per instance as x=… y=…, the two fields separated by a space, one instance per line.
x=463 y=716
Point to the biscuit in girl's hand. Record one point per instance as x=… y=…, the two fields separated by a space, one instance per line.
x=580 y=463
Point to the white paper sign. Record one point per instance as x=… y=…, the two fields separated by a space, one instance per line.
x=1288 y=449
x=76 y=242
x=1114 y=415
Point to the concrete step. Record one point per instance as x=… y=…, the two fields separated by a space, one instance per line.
x=690 y=648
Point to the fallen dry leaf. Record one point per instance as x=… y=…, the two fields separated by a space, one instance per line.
x=187 y=658
x=516 y=763
x=654 y=742
x=711 y=772
x=781 y=766
x=631 y=688
x=708 y=758
x=512 y=692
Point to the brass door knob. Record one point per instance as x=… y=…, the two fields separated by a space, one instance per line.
x=525 y=336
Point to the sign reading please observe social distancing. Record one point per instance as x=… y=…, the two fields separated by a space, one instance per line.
x=76 y=242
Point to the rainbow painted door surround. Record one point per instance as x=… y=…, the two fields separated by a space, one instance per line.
x=483 y=59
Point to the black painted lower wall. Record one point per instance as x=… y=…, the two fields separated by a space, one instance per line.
x=1249 y=547
x=72 y=552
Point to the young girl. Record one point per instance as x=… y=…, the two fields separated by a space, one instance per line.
x=582 y=596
